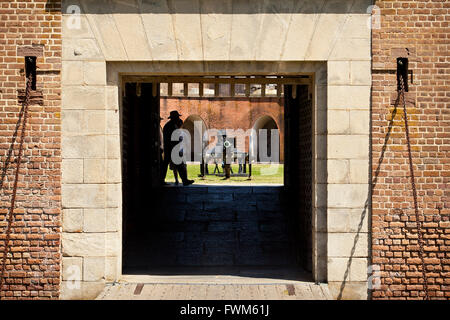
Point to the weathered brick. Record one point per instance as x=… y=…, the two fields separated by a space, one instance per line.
x=33 y=32
x=426 y=103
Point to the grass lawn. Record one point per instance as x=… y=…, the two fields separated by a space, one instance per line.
x=268 y=175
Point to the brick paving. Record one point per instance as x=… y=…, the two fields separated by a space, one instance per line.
x=214 y=229
x=219 y=291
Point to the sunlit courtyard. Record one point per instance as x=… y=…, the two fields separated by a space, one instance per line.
x=261 y=174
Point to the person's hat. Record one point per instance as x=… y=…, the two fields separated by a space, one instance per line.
x=174 y=115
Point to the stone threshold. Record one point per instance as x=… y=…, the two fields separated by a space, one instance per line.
x=201 y=279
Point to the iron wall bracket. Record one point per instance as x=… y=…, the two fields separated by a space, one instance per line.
x=402 y=73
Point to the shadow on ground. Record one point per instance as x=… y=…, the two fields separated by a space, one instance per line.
x=213 y=230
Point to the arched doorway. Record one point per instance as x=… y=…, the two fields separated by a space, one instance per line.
x=196 y=127
x=268 y=123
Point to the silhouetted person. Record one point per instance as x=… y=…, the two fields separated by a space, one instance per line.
x=182 y=168
x=226 y=162
x=173 y=167
x=174 y=123
x=161 y=149
x=168 y=129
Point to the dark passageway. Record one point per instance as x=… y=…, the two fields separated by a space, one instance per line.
x=233 y=230
x=244 y=230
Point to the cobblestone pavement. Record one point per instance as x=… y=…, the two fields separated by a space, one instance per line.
x=215 y=291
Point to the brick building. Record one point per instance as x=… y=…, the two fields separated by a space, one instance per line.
x=31 y=28
x=353 y=191
x=230 y=113
x=418 y=31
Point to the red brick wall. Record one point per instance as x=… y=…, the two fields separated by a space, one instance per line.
x=228 y=113
x=419 y=31
x=33 y=259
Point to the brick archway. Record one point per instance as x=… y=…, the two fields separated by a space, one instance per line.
x=191 y=125
x=266 y=122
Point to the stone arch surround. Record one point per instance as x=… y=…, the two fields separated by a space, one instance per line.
x=333 y=46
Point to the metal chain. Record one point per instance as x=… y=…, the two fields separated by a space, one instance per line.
x=413 y=183
x=26 y=103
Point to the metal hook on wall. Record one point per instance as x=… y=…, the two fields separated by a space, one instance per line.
x=402 y=73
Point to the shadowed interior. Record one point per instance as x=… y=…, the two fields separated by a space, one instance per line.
x=245 y=230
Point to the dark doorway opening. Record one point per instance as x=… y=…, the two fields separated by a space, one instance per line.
x=254 y=231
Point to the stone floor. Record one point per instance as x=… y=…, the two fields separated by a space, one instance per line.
x=216 y=289
x=214 y=242
x=212 y=230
